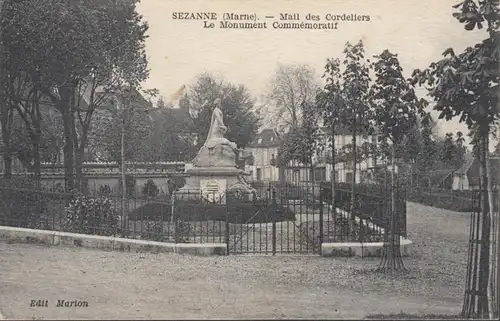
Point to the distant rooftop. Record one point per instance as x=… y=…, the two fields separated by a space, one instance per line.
x=266 y=138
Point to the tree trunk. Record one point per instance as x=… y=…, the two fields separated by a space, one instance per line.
x=332 y=178
x=485 y=228
x=353 y=187
x=393 y=197
x=37 y=162
x=123 y=174
x=490 y=289
x=64 y=105
x=80 y=157
x=5 y=112
x=6 y=123
x=497 y=254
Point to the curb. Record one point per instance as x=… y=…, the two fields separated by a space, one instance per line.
x=24 y=235
x=356 y=249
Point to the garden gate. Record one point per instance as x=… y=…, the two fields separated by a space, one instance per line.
x=281 y=223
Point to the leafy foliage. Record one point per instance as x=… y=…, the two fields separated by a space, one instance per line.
x=237 y=106
x=291 y=88
x=71 y=56
x=91 y=215
x=301 y=143
x=23 y=203
x=396 y=107
x=150 y=190
x=174 y=183
x=465 y=85
x=104 y=190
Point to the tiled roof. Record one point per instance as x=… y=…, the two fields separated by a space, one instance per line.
x=473 y=171
x=338 y=131
x=266 y=138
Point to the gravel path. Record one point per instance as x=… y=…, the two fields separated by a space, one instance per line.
x=168 y=286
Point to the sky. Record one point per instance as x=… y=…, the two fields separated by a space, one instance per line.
x=179 y=50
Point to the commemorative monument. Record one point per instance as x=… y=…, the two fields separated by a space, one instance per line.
x=214 y=173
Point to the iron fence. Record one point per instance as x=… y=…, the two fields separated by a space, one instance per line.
x=482 y=258
x=274 y=218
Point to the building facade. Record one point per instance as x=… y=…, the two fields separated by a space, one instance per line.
x=264 y=149
x=344 y=164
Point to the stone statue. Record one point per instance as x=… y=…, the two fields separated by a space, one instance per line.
x=217 y=151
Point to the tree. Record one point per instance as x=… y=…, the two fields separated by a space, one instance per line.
x=460 y=150
x=395 y=113
x=448 y=151
x=428 y=155
x=237 y=106
x=76 y=54
x=129 y=115
x=150 y=190
x=465 y=85
x=330 y=102
x=5 y=111
x=171 y=138
x=355 y=113
x=453 y=150
x=30 y=149
x=289 y=89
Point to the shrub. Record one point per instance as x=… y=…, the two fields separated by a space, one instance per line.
x=91 y=215
x=153 y=231
x=150 y=190
x=174 y=183
x=23 y=203
x=130 y=185
x=104 y=190
x=458 y=201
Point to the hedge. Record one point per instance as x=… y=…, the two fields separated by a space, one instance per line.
x=194 y=210
x=458 y=201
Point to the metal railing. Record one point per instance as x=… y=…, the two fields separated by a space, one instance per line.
x=275 y=218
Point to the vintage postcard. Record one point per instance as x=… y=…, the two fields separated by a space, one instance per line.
x=223 y=159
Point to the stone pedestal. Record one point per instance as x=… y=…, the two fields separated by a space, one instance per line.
x=198 y=174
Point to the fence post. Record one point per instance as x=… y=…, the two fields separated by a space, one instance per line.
x=226 y=232
x=274 y=219
x=321 y=192
x=176 y=230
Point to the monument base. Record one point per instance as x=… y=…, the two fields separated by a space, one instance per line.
x=228 y=175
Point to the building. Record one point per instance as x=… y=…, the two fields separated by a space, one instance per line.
x=264 y=149
x=467 y=176
x=344 y=166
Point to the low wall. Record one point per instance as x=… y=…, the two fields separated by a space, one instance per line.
x=24 y=235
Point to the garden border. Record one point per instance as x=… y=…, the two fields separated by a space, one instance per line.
x=25 y=235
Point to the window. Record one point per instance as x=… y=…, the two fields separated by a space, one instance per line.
x=259 y=141
x=319 y=174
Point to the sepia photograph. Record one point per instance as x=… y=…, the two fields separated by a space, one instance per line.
x=249 y=159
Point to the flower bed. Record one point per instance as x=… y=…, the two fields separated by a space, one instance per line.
x=194 y=210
